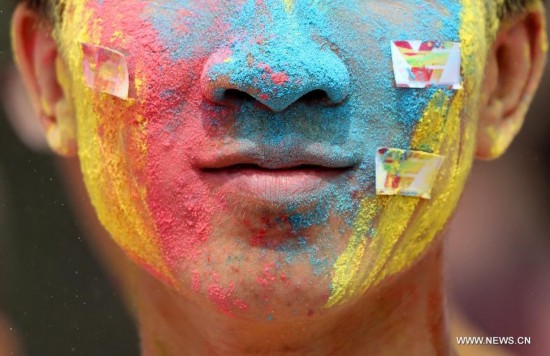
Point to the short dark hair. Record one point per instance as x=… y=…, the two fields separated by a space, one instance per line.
x=513 y=6
x=508 y=7
x=41 y=6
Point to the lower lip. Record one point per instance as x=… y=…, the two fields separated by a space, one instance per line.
x=274 y=184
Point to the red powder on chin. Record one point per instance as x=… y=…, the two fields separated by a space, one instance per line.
x=267 y=279
x=259 y=237
x=240 y=304
x=196 y=281
x=221 y=296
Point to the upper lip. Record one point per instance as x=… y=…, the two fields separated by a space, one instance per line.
x=273 y=158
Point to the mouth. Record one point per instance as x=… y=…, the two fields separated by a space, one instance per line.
x=274 y=182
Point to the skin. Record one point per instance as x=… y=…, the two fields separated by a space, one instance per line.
x=268 y=261
x=214 y=243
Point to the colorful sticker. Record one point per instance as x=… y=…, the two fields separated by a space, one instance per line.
x=405 y=172
x=424 y=64
x=105 y=70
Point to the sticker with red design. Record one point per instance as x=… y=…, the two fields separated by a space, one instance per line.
x=425 y=64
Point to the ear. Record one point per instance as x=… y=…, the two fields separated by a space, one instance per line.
x=44 y=74
x=514 y=68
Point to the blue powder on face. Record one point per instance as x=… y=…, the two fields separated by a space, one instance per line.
x=296 y=249
x=316 y=215
x=341 y=47
x=374 y=113
x=277 y=64
x=168 y=20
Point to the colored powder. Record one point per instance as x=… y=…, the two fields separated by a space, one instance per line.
x=196 y=281
x=439 y=130
x=119 y=205
x=221 y=297
x=161 y=213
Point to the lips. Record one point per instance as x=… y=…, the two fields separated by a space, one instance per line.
x=283 y=177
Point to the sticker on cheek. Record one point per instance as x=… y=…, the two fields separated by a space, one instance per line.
x=405 y=172
x=424 y=64
x=105 y=70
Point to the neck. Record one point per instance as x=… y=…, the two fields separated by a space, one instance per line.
x=404 y=315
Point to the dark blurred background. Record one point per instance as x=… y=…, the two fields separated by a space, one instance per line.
x=56 y=300
x=499 y=243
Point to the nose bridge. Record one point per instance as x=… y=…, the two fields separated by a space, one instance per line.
x=275 y=60
x=261 y=19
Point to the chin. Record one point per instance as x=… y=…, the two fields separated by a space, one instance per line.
x=262 y=269
x=257 y=294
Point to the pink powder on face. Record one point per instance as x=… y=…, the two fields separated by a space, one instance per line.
x=265 y=67
x=221 y=296
x=279 y=78
x=258 y=237
x=267 y=278
x=239 y=304
x=182 y=28
x=218 y=57
x=179 y=204
x=196 y=281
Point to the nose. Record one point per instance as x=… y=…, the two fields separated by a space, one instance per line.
x=276 y=72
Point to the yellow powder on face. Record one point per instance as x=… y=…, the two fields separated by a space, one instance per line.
x=289 y=6
x=431 y=216
x=117 y=36
x=406 y=226
x=105 y=143
x=432 y=121
x=61 y=136
x=350 y=261
x=393 y=221
x=403 y=220
x=355 y=271
x=544 y=42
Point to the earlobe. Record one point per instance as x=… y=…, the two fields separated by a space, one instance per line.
x=43 y=72
x=513 y=71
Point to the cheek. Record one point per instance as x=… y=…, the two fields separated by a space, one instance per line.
x=150 y=142
x=143 y=186
x=400 y=229
x=178 y=125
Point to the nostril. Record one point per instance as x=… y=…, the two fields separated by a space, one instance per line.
x=245 y=79
x=235 y=95
x=230 y=97
x=317 y=96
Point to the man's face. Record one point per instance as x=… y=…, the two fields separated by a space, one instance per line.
x=241 y=170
